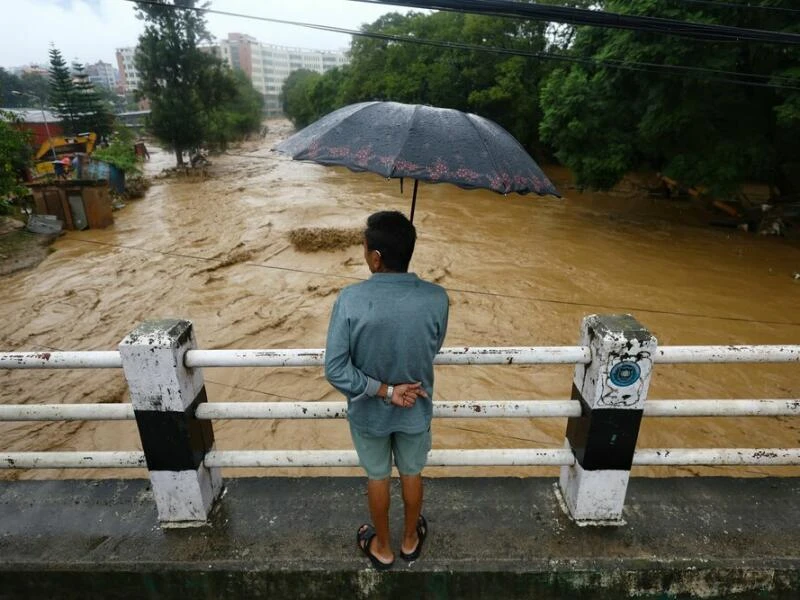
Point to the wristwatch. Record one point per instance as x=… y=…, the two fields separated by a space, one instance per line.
x=387 y=399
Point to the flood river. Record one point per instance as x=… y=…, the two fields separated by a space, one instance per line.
x=519 y=271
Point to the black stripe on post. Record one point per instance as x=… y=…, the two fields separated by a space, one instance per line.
x=174 y=441
x=603 y=438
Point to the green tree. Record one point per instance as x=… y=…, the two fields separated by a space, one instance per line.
x=35 y=84
x=15 y=157
x=186 y=86
x=498 y=86
x=296 y=97
x=27 y=83
x=62 y=92
x=91 y=113
x=605 y=121
x=237 y=113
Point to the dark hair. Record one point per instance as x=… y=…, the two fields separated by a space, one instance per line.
x=394 y=236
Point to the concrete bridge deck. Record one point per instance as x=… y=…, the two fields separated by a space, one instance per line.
x=490 y=538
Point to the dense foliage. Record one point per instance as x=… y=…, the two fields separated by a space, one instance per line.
x=30 y=85
x=15 y=157
x=693 y=126
x=501 y=87
x=599 y=118
x=195 y=100
x=240 y=113
x=296 y=97
x=120 y=152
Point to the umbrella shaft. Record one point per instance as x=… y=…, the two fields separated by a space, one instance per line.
x=414 y=200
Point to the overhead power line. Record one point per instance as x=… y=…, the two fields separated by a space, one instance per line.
x=714 y=75
x=599 y=18
x=755 y=7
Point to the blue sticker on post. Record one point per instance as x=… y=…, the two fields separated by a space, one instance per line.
x=624 y=374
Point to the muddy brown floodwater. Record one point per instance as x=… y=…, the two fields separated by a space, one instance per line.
x=519 y=271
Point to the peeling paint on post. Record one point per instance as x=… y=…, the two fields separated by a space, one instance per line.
x=611 y=389
x=164 y=394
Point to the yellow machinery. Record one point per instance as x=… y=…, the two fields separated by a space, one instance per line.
x=64 y=146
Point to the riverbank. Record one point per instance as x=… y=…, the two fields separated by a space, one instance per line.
x=20 y=249
x=709 y=538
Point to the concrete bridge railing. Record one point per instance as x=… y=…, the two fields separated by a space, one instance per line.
x=613 y=367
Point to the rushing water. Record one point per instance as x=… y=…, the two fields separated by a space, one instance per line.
x=519 y=271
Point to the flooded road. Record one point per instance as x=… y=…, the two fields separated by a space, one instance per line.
x=519 y=271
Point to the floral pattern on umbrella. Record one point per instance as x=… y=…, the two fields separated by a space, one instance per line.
x=425 y=143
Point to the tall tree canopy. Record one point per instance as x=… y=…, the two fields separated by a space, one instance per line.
x=91 y=112
x=74 y=99
x=600 y=114
x=296 y=97
x=500 y=87
x=194 y=98
x=694 y=126
x=30 y=84
x=62 y=92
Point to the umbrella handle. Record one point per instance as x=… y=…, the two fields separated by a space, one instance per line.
x=414 y=200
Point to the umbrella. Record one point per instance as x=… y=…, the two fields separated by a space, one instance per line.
x=437 y=145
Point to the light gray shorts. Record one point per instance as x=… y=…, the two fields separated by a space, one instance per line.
x=410 y=452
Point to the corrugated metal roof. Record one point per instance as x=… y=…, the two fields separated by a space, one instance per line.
x=32 y=115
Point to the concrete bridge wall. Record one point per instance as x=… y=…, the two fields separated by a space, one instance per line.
x=490 y=538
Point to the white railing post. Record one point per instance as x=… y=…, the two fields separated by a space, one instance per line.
x=164 y=394
x=611 y=389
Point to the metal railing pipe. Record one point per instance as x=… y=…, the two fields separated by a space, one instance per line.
x=722 y=408
x=727 y=354
x=271 y=410
x=348 y=458
x=716 y=456
x=315 y=357
x=338 y=410
x=72 y=460
x=92 y=359
x=65 y=412
x=441 y=409
x=436 y=458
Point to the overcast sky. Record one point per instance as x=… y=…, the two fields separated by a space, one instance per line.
x=91 y=30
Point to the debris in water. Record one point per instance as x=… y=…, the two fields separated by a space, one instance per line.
x=318 y=239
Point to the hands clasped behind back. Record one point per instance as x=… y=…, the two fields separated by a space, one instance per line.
x=405 y=395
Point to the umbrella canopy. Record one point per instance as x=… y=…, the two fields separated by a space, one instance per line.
x=437 y=145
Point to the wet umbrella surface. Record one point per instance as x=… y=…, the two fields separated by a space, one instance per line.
x=437 y=145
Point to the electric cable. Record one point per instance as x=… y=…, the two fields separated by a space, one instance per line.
x=590 y=306
x=613 y=63
x=755 y=7
x=598 y=18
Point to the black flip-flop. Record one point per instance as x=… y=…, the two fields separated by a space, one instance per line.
x=364 y=536
x=422 y=531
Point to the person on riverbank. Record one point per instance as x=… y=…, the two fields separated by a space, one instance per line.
x=383 y=336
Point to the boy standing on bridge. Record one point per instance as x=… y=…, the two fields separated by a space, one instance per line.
x=384 y=334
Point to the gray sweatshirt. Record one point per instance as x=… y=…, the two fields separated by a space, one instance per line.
x=386 y=329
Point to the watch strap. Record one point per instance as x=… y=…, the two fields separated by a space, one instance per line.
x=389 y=391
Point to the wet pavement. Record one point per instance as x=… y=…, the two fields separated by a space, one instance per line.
x=489 y=538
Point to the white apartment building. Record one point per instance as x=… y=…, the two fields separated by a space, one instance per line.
x=128 y=75
x=268 y=66
x=102 y=74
